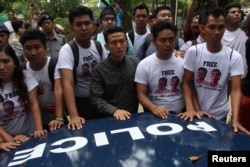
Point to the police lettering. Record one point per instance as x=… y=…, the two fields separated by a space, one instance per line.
x=101 y=139
x=210 y=64
x=168 y=72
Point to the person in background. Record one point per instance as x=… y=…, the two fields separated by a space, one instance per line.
x=139 y=33
x=4 y=34
x=18 y=27
x=244 y=115
x=112 y=86
x=18 y=84
x=107 y=20
x=54 y=40
x=33 y=15
x=119 y=14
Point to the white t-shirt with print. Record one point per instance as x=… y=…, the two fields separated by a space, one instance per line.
x=213 y=98
x=88 y=57
x=45 y=93
x=15 y=115
x=149 y=72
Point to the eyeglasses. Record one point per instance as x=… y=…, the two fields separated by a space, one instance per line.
x=108 y=19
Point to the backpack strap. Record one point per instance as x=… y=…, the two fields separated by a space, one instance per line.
x=131 y=35
x=94 y=37
x=146 y=44
x=99 y=48
x=51 y=70
x=75 y=51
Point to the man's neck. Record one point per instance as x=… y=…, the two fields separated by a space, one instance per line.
x=214 y=48
x=232 y=27
x=50 y=34
x=84 y=44
x=39 y=66
x=141 y=31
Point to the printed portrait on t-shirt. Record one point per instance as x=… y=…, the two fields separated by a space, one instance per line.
x=8 y=108
x=85 y=70
x=162 y=86
x=24 y=105
x=40 y=88
x=174 y=83
x=214 y=78
x=201 y=75
x=93 y=63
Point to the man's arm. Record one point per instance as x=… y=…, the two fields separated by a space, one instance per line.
x=188 y=93
x=189 y=18
x=36 y=113
x=58 y=93
x=235 y=103
x=75 y=122
x=159 y=111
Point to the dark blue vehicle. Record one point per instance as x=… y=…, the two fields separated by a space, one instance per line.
x=142 y=141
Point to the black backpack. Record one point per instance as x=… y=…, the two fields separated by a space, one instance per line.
x=75 y=51
x=131 y=36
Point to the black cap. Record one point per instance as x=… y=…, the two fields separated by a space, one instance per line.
x=107 y=11
x=43 y=18
x=3 y=28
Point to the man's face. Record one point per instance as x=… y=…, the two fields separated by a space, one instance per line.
x=11 y=16
x=8 y=108
x=162 y=84
x=85 y=69
x=214 y=29
x=174 y=82
x=108 y=21
x=141 y=18
x=165 y=43
x=195 y=26
x=34 y=51
x=201 y=74
x=164 y=15
x=117 y=44
x=48 y=26
x=82 y=28
x=234 y=16
x=4 y=37
x=215 y=76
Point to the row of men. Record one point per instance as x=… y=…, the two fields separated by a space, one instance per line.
x=94 y=85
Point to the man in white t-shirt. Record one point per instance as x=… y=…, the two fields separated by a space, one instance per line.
x=49 y=90
x=212 y=100
x=233 y=36
x=153 y=73
x=139 y=33
x=76 y=89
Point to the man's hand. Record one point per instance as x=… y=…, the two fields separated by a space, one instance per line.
x=20 y=138
x=55 y=124
x=237 y=126
x=161 y=112
x=7 y=146
x=122 y=114
x=76 y=122
x=189 y=115
x=39 y=133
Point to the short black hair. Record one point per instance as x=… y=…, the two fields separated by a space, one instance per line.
x=158 y=9
x=80 y=10
x=16 y=24
x=33 y=34
x=162 y=25
x=231 y=5
x=215 y=12
x=141 y=7
x=112 y=30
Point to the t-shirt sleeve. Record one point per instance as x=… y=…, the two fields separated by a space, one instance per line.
x=65 y=59
x=29 y=80
x=140 y=74
x=189 y=59
x=236 y=64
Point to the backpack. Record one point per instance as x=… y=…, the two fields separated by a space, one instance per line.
x=75 y=51
x=51 y=69
x=131 y=36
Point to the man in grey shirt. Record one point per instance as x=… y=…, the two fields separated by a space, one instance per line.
x=112 y=85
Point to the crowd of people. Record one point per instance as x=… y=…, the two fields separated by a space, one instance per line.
x=46 y=82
